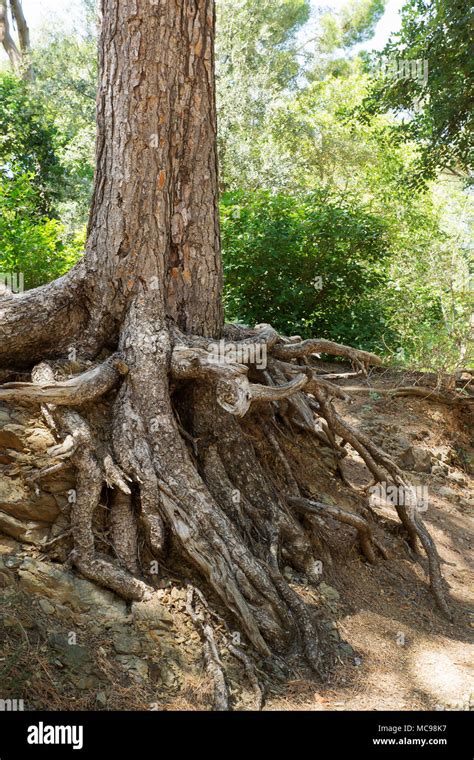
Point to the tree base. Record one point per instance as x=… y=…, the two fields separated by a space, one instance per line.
x=203 y=460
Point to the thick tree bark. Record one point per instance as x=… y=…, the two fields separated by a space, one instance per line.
x=154 y=218
x=21 y=25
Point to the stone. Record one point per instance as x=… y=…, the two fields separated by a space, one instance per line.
x=101 y=698
x=457 y=477
x=151 y=614
x=10 y=439
x=73 y=656
x=30 y=532
x=328 y=592
x=62 y=586
x=124 y=643
x=85 y=683
x=5 y=580
x=136 y=667
x=449 y=493
x=346 y=648
x=12 y=491
x=39 y=440
x=47 y=607
x=59 y=482
x=155 y=672
x=416 y=458
x=402 y=441
x=24 y=505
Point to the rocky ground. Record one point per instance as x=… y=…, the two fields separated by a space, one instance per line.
x=66 y=644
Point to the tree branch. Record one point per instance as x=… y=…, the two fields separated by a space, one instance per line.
x=7 y=40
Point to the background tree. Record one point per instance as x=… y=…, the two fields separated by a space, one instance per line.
x=34 y=241
x=17 y=53
x=437 y=113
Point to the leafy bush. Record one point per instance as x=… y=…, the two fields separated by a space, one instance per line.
x=27 y=141
x=314 y=265
x=33 y=241
x=30 y=244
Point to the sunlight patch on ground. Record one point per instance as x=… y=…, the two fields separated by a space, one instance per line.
x=446 y=674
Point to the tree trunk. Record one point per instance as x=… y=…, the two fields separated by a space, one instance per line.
x=17 y=56
x=196 y=441
x=6 y=38
x=154 y=218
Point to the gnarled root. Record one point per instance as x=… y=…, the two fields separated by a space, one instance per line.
x=82 y=449
x=183 y=472
x=363 y=528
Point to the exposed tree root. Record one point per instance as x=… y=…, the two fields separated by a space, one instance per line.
x=212 y=659
x=44 y=322
x=183 y=471
x=356 y=521
x=428 y=394
x=74 y=392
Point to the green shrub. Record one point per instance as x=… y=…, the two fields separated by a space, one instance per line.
x=313 y=265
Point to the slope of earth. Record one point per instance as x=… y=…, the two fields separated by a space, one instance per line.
x=403 y=654
x=66 y=644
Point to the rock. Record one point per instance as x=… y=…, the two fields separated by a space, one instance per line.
x=346 y=648
x=101 y=698
x=22 y=504
x=155 y=672
x=151 y=614
x=73 y=656
x=30 y=532
x=47 y=607
x=61 y=586
x=402 y=442
x=416 y=458
x=137 y=668
x=124 y=643
x=85 y=683
x=5 y=580
x=10 y=439
x=12 y=491
x=457 y=477
x=39 y=440
x=42 y=507
x=448 y=493
x=12 y=561
x=328 y=592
